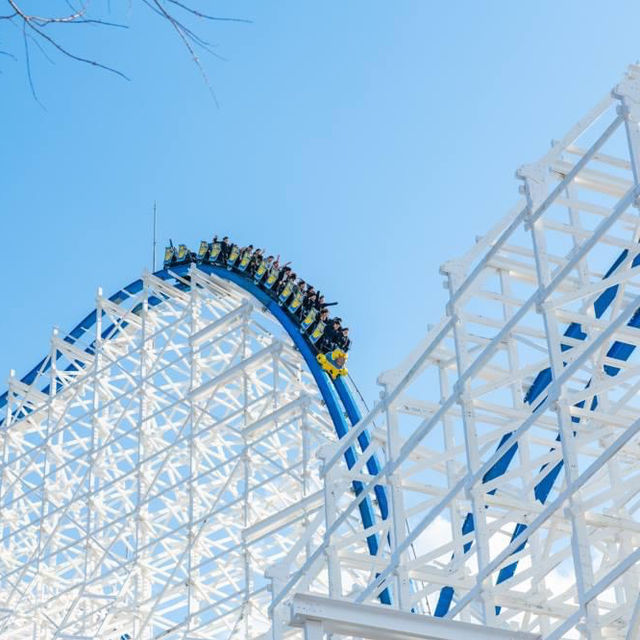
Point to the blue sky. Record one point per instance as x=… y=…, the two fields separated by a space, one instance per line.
x=365 y=141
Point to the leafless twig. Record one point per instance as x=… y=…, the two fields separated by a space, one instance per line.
x=44 y=31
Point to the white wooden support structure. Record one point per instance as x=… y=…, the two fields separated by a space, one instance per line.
x=510 y=434
x=165 y=467
x=171 y=469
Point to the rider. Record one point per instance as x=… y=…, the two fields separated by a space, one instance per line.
x=226 y=249
x=316 y=332
x=272 y=276
x=297 y=299
x=256 y=259
x=245 y=258
x=308 y=304
x=330 y=336
x=262 y=268
x=282 y=280
x=288 y=288
x=343 y=341
x=321 y=304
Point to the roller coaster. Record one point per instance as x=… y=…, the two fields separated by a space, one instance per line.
x=297 y=299
x=184 y=464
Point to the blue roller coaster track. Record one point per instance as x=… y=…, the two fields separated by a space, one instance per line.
x=618 y=351
x=345 y=412
x=337 y=395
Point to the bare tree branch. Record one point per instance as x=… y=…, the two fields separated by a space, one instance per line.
x=102 y=23
x=43 y=30
x=39 y=19
x=195 y=12
x=184 y=36
x=73 y=56
x=28 y=60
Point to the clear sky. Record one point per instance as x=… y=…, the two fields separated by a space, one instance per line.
x=365 y=141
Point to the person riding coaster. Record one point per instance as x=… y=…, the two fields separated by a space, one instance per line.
x=283 y=278
x=308 y=320
x=343 y=340
x=225 y=248
x=255 y=261
x=308 y=303
x=333 y=362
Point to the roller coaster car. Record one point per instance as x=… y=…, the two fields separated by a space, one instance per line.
x=333 y=362
x=214 y=251
x=308 y=320
x=203 y=251
x=183 y=255
x=260 y=271
x=285 y=293
x=244 y=261
x=316 y=334
x=272 y=276
x=233 y=256
x=169 y=256
x=295 y=304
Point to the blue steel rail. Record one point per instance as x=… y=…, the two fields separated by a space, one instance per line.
x=337 y=396
x=618 y=351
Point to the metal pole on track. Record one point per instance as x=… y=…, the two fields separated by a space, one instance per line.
x=155 y=225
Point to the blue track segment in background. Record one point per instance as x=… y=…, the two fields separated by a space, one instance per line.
x=337 y=396
x=618 y=351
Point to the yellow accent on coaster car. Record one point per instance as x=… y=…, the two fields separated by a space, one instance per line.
x=333 y=362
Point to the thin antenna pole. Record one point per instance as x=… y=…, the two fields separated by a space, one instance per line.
x=155 y=225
